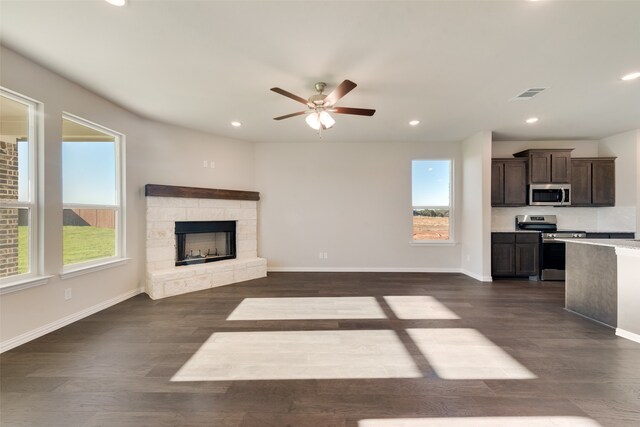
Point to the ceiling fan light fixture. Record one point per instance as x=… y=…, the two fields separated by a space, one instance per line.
x=118 y=3
x=326 y=120
x=630 y=76
x=319 y=105
x=313 y=120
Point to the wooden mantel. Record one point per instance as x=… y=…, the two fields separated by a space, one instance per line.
x=157 y=190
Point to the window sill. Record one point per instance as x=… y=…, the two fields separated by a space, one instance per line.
x=27 y=283
x=432 y=243
x=90 y=268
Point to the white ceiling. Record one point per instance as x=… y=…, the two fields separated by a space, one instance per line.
x=453 y=65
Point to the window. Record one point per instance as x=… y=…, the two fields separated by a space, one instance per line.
x=431 y=200
x=18 y=189
x=93 y=226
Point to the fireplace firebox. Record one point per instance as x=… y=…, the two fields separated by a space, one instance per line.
x=198 y=242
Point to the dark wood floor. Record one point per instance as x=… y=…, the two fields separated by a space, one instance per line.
x=114 y=368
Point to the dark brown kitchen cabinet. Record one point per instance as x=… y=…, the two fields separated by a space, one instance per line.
x=593 y=181
x=548 y=166
x=514 y=254
x=603 y=181
x=615 y=235
x=508 y=182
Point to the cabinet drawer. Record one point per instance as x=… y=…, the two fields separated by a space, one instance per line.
x=597 y=235
x=527 y=237
x=503 y=237
x=622 y=236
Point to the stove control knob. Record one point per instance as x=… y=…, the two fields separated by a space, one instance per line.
x=576 y=235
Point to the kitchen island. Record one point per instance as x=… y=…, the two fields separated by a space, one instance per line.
x=603 y=282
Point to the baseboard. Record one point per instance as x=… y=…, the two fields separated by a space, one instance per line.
x=362 y=270
x=628 y=335
x=50 y=327
x=378 y=270
x=478 y=277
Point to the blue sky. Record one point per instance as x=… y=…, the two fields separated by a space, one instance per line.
x=88 y=172
x=23 y=170
x=431 y=180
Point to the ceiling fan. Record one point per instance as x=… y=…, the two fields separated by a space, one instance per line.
x=320 y=105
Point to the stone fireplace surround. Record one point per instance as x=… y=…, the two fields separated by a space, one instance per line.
x=168 y=204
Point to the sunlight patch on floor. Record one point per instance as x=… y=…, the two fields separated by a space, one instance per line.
x=291 y=355
x=547 y=421
x=466 y=354
x=308 y=308
x=319 y=308
x=419 y=307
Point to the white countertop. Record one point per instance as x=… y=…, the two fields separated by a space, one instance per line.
x=614 y=243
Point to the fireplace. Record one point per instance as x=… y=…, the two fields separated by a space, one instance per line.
x=198 y=242
x=177 y=218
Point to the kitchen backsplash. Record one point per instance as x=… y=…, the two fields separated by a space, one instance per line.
x=618 y=218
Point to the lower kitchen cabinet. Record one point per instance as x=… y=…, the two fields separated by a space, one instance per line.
x=515 y=254
x=614 y=235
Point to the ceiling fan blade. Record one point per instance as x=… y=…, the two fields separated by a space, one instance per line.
x=356 y=111
x=290 y=95
x=343 y=88
x=299 y=113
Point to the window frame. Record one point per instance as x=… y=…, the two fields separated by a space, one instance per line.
x=34 y=138
x=451 y=207
x=70 y=270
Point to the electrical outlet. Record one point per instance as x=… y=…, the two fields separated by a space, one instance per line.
x=67 y=294
x=320 y=255
x=326 y=255
x=212 y=164
x=205 y=164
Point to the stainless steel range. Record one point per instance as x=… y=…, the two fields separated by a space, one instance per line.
x=552 y=252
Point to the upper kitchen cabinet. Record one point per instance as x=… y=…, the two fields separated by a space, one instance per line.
x=593 y=181
x=509 y=182
x=548 y=166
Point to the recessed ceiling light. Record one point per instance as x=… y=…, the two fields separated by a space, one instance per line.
x=414 y=122
x=532 y=120
x=236 y=124
x=117 y=2
x=630 y=76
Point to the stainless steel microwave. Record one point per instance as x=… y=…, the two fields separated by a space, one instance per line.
x=550 y=195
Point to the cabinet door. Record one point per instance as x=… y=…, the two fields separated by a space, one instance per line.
x=540 y=168
x=526 y=259
x=502 y=259
x=580 y=182
x=515 y=183
x=603 y=192
x=497 y=183
x=561 y=167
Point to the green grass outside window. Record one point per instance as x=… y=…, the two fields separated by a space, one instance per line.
x=80 y=244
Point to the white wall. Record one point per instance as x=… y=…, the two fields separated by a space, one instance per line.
x=351 y=200
x=476 y=206
x=155 y=153
x=622 y=217
x=628 y=293
x=582 y=147
x=626 y=147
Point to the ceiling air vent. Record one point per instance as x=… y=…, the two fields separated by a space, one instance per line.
x=529 y=94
